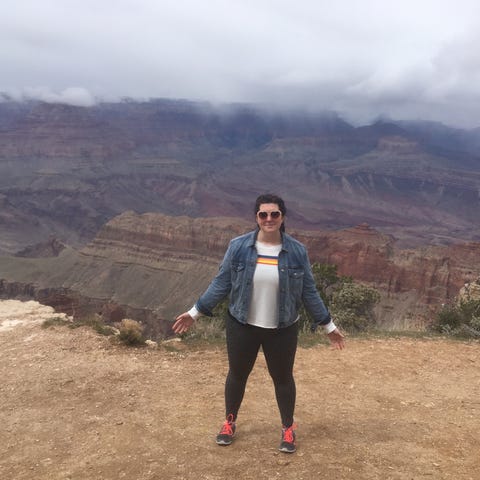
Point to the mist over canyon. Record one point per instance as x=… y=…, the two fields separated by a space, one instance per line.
x=122 y=203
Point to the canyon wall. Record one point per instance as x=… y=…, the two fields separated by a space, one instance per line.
x=413 y=283
x=153 y=266
x=65 y=171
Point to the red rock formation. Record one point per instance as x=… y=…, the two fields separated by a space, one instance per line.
x=411 y=281
x=160 y=264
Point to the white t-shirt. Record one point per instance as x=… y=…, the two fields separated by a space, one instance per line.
x=263 y=311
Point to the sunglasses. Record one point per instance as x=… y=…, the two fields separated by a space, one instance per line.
x=273 y=215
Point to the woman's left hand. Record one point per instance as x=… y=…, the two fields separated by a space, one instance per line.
x=337 y=339
x=182 y=323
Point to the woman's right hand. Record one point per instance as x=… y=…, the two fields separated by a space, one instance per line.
x=182 y=323
x=337 y=339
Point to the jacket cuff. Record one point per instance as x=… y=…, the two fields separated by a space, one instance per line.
x=194 y=313
x=329 y=327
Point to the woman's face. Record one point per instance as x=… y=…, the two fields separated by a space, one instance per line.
x=269 y=217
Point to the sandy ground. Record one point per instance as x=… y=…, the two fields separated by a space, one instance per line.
x=75 y=406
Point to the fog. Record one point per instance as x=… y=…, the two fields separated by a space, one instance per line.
x=406 y=60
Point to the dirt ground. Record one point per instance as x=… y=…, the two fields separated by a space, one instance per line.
x=73 y=405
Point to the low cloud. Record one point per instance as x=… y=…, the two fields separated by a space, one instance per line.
x=76 y=96
x=363 y=59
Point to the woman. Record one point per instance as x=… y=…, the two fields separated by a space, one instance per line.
x=268 y=275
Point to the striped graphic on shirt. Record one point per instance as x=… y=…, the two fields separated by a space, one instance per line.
x=267 y=260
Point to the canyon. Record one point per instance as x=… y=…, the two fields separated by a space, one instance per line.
x=65 y=171
x=152 y=266
x=125 y=209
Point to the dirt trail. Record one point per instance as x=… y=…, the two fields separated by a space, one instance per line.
x=75 y=406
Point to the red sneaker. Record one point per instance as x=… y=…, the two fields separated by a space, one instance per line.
x=287 y=444
x=225 y=436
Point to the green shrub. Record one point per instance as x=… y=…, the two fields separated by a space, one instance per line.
x=352 y=306
x=325 y=276
x=327 y=281
x=350 y=303
x=55 y=321
x=209 y=328
x=95 y=322
x=131 y=332
x=461 y=319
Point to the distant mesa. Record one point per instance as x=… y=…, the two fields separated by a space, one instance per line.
x=51 y=248
x=363 y=228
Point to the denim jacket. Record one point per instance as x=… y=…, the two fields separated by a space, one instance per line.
x=235 y=277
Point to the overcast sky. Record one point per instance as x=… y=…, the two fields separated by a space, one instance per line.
x=415 y=59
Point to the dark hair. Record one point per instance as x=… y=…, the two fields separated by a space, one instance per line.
x=271 y=198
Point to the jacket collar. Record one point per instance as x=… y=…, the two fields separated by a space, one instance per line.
x=254 y=235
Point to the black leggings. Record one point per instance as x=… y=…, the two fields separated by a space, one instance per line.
x=279 y=346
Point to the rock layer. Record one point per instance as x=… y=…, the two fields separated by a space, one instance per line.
x=65 y=171
x=157 y=265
